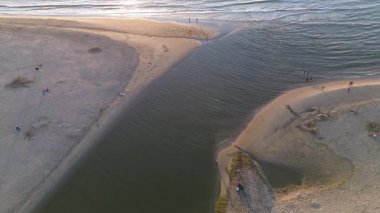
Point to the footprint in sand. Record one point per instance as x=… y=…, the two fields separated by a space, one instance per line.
x=41 y=122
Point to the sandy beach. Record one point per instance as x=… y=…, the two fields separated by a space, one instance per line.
x=93 y=68
x=319 y=131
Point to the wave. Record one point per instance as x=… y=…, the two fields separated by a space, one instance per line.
x=239 y=10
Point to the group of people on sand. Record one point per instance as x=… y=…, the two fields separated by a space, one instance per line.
x=45 y=92
x=350 y=84
x=308 y=79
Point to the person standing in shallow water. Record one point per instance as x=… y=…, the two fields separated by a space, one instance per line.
x=308 y=77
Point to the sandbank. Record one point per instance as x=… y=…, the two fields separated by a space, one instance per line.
x=316 y=131
x=94 y=69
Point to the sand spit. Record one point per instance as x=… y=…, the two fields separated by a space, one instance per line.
x=249 y=190
x=321 y=132
x=151 y=28
x=93 y=69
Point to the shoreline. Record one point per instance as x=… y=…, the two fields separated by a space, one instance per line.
x=158 y=51
x=81 y=149
x=261 y=137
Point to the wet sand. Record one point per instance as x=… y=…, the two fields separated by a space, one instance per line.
x=320 y=133
x=94 y=68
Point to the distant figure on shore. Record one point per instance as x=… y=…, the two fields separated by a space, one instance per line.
x=308 y=77
x=189 y=21
x=323 y=87
x=18 y=129
x=196 y=20
x=45 y=92
x=239 y=187
x=349 y=86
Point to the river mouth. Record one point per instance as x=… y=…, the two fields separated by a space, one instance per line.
x=164 y=146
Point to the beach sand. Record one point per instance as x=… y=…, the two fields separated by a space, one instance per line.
x=94 y=68
x=320 y=133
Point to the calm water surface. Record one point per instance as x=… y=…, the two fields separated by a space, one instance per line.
x=160 y=156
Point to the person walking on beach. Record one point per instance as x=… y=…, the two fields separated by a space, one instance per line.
x=349 y=86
